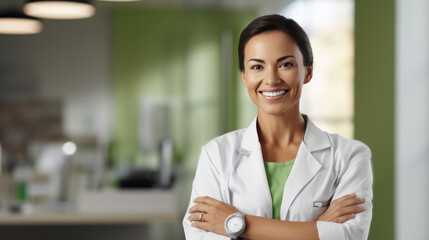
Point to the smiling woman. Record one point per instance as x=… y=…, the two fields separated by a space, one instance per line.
x=273 y=72
x=282 y=177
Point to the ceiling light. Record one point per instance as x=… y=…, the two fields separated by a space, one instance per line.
x=18 y=23
x=59 y=9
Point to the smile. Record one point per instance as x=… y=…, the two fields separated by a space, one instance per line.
x=273 y=94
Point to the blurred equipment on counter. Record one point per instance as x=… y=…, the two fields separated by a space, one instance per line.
x=139 y=178
x=64 y=169
x=154 y=123
x=68 y=149
x=165 y=167
x=154 y=137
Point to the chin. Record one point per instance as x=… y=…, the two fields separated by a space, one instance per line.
x=275 y=110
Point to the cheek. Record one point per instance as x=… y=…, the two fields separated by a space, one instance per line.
x=252 y=82
x=291 y=77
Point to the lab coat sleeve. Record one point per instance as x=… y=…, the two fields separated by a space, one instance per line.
x=207 y=182
x=356 y=178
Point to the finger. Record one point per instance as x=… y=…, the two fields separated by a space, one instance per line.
x=351 y=210
x=205 y=200
x=199 y=208
x=201 y=225
x=345 y=218
x=348 y=200
x=195 y=217
x=352 y=201
x=348 y=196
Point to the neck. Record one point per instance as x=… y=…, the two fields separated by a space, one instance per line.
x=281 y=130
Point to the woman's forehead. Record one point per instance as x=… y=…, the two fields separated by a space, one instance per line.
x=272 y=44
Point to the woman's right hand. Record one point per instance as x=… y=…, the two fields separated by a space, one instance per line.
x=343 y=209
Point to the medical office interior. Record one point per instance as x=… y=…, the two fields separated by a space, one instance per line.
x=102 y=119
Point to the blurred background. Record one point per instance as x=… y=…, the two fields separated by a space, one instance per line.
x=102 y=118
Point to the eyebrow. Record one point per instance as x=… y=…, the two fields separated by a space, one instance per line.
x=278 y=60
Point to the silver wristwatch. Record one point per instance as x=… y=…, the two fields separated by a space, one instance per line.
x=235 y=224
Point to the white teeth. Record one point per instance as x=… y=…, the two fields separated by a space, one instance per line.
x=274 y=94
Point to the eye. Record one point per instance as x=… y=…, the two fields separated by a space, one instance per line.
x=286 y=64
x=256 y=67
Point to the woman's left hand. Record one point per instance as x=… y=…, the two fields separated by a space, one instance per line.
x=210 y=214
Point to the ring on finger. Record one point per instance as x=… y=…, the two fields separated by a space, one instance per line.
x=201 y=217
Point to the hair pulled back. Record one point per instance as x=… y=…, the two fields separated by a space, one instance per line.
x=276 y=22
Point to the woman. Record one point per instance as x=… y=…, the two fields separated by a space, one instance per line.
x=314 y=184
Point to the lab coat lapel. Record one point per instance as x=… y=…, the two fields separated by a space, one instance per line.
x=252 y=170
x=306 y=166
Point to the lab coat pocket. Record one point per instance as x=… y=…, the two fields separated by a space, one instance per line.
x=321 y=204
x=319 y=207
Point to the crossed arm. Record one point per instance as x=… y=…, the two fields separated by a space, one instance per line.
x=215 y=212
x=338 y=222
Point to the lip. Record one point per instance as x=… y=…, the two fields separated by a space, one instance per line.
x=273 y=90
x=276 y=98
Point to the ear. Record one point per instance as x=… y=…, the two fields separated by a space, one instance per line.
x=308 y=74
x=243 y=79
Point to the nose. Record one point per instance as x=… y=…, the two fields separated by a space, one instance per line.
x=272 y=77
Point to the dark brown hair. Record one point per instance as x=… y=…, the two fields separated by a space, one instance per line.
x=276 y=22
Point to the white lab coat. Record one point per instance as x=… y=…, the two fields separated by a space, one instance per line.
x=327 y=167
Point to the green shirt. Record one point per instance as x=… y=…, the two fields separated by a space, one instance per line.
x=277 y=174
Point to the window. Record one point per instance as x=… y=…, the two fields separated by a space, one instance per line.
x=329 y=98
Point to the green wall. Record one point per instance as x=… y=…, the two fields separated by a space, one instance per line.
x=147 y=53
x=374 y=103
x=176 y=55
x=242 y=110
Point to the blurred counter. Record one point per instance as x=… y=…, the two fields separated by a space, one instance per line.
x=109 y=206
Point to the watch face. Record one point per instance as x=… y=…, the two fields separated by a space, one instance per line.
x=235 y=224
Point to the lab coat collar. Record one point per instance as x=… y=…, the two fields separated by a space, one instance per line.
x=250 y=139
x=252 y=169
x=314 y=138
